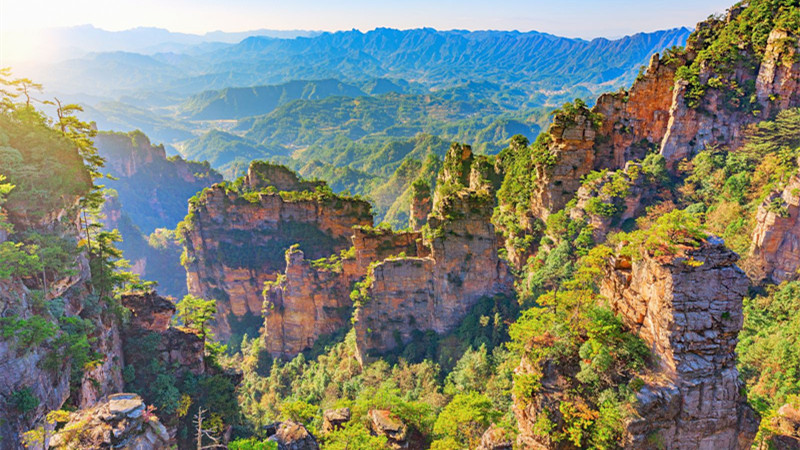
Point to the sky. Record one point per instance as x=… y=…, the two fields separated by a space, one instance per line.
x=571 y=18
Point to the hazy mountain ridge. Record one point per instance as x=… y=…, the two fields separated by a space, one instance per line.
x=439 y=57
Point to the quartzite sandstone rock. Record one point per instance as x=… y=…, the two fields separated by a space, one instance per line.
x=334 y=419
x=294 y=436
x=690 y=313
x=179 y=349
x=312 y=298
x=713 y=122
x=236 y=242
x=384 y=423
x=120 y=422
x=775 y=250
x=435 y=292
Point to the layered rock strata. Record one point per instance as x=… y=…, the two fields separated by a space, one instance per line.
x=235 y=242
x=689 y=310
x=775 y=249
x=312 y=298
x=718 y=120
x=181 y=350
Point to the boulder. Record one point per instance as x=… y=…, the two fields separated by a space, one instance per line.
x=293 y=436
x=384 y=423
x=334 y=419
x=122 y=421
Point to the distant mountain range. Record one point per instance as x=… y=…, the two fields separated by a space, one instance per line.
x=428 y=56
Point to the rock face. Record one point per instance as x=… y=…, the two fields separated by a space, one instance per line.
x=615 y=197
x=307 y=302
x=634 y=122
x=312 y=298
x=37 y=369
x=572 y=149
x=120 y=422
x=262 y=175
x=406 y=295
x=151 y=191
x=496 y=438
x=690 y=315
x=235 y=242
x=420 y=205
x=713 y=122
x=775 y=251
x=149 y=311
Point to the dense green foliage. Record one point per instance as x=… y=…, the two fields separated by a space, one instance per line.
x=769 y=347
x=573 y=332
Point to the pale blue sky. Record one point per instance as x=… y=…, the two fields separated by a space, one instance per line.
x=574 y=18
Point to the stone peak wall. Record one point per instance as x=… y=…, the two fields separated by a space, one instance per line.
x=435 y=291
x=312 y=298
x=712 y=123
x=689 y=310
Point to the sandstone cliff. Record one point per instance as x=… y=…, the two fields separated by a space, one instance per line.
x=775 y=251
x=153 y=188
x=689 y=311
x=42 y=314
x=731 y=96
x=235 y=241
x=406 y=295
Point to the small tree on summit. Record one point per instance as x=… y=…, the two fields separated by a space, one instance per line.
x=194 y=313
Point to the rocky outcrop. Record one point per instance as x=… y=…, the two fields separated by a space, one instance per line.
x=236 y=241
x=496 y=438
x=689 y=310
x=406 y=295
x=153 y=189
x=261 y=175
x=635 y=121
x=34 y=365
x=149 y=311
x=149 y=192
x=307 y=302
x=383 y=423
x=293 y=436
x=572 y=153
x=123 y=421
x=775 y=249
x=182 y=350
x=335 y=419
x=613 y=198
x=421 y=203
x=783 y=430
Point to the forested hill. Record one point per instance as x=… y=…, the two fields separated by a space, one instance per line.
x=423 y=55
